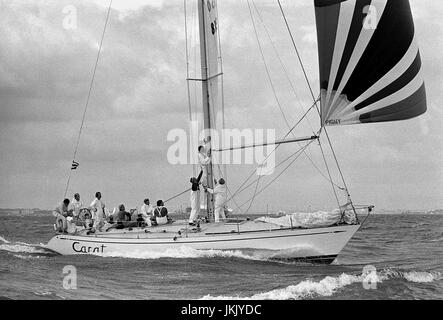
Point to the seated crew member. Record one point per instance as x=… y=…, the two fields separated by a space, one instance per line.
x=134 y=214
x=60 y=213
x=88 y=221
x=122 y=217
x=146 y=211
x=161 y=213
x=136 y=218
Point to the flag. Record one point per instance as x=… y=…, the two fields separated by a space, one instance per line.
x=74 y=165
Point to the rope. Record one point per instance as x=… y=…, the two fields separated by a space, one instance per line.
x=89 y=95
x=177 y=195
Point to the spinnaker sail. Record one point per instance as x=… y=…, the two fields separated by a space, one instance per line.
x=370 y=65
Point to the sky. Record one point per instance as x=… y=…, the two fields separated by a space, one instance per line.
x=140 y=94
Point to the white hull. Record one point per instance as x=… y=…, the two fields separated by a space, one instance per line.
x=319 y=244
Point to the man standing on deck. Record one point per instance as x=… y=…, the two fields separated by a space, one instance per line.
x=219 y=193
x=195 y=198
x=98 y=211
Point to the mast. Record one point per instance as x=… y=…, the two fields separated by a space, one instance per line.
x=207 y=116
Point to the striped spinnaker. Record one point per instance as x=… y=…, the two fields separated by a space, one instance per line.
x=370 y=66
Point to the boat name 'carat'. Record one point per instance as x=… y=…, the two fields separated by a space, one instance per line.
x=77 y=247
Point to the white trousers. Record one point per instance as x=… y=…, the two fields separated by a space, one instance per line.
x=204 y=178
x=195 y=205
x=219 y=211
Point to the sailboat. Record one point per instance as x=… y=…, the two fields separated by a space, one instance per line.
x=370 y=72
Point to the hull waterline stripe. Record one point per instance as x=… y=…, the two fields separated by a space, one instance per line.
x=201 y=241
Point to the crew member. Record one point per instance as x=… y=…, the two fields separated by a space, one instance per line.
x=195 y=198
x=98 y=211
x=204 y=159
x=76 y=205
x=60 y=213
x=219 y=193
x=146 y=211
x=161 y=213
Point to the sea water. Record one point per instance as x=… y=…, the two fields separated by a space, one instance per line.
x=392 y=257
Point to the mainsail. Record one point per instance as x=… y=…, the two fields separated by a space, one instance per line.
x=370 y=66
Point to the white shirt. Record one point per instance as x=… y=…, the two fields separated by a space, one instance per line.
x=219 y=193
x=99 y=206
x=76 y=206
x=146 y=210
x=203 y=159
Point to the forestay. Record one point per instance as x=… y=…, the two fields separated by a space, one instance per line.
x=370 y=66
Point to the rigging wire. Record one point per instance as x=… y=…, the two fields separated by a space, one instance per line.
x=229 y=191
x=275 y=96
x=89 y=94
x=297 y=154
x=275 y=148
x=266 y=66
x=329 y=173
x=273 y=90
x=298 y=55
x=278 y=165
x=313 y=97
x=295 y=93
x=280 y=61
x=272 y=85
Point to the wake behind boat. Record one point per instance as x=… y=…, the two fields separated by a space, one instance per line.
x=370 y=72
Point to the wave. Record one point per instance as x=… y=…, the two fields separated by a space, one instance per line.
x=414 y=276
x=330 y=285
x=44 y=293
x=3 y=240
x=28 y=257
x=24 y=248
x=21 y=247
x=420 y=224
x=183 y=252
